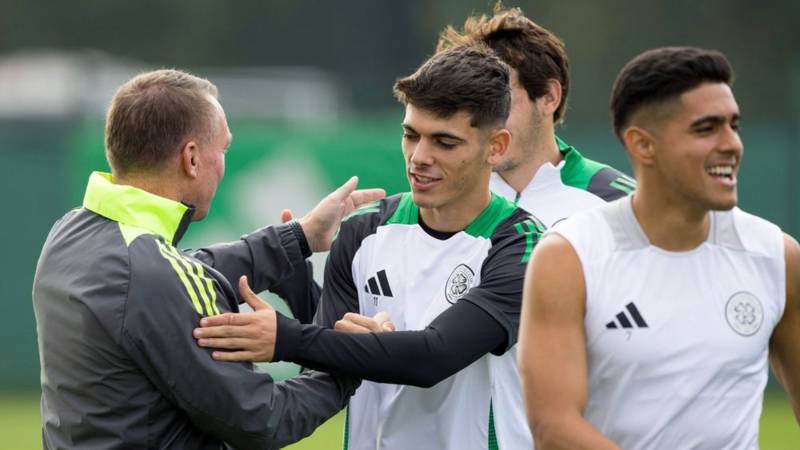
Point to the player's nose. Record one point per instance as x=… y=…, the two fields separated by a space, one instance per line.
x=422 y=155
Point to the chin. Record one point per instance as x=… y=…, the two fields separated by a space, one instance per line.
x=723 y=204
x=199 y=215
x=422 y=200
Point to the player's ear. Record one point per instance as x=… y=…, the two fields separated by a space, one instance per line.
x=498 y=145
x=640 y=144
x=549 y=102
x=190 y=158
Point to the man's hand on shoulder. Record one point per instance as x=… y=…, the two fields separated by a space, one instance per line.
x=321 y=223
x=246 y=336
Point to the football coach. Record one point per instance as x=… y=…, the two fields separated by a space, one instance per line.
x=116 y=300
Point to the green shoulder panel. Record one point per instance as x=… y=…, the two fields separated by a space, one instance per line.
x=597 y=178
x=366 y=209
x=577 y=171
x=407 y=212
x=499 y=209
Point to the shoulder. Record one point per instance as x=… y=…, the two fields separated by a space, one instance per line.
x=398 y=208
x=594 y=177
x=741 y=230
x=365 y=221
x=591 y=232
x=517 y=233
x=162 y=278
x=520 y=221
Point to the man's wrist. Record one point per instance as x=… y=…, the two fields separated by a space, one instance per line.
x=300 y=235
x=288 y=334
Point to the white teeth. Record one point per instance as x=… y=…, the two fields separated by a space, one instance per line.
x=423 y=179
x=720 y=170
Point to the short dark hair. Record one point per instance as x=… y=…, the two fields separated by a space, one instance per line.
x=533 y=51
x=466 y=78
x=151 y=115
x=663 y=74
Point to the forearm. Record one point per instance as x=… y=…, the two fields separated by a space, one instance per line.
x=455 y=339
x=301 y=404
x=300 y=292
x=267 y=257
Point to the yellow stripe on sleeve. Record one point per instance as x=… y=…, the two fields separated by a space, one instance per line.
x=210 y=285
x=181 y=275
x=192 y=270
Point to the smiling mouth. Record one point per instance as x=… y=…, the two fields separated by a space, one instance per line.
x=721 y=171
x=422 y=179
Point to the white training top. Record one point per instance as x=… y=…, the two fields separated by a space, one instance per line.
x=555 y=193
x=387 y=259
x=677 y=341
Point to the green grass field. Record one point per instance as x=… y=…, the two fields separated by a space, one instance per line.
x=19 y=426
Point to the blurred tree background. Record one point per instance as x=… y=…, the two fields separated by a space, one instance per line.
x=367 y=44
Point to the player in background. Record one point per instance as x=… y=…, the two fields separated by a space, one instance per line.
x=539 y=171
x=446 y=261
x=648 y=322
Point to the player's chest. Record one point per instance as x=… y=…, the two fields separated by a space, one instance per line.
x=654 y=309
x=414 y=276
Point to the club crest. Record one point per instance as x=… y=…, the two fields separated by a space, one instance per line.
x=458 y=283
x=744 y=313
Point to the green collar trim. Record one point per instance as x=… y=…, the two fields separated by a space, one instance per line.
x=499 y=209
x=407 y=212
x=135 y=207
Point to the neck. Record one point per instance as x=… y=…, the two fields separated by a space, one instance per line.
x=152 y=183
x=452 y=218
x=542 y=150
x=669 y=223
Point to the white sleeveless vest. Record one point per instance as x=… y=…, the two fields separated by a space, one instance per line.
x=677 y=341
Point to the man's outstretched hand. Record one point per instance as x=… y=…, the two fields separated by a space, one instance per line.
x=321 y=223
x=248 y=336
x=356 y=323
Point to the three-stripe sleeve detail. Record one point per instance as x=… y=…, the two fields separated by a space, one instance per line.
x=182 y=276
x=531 y=231
x=623 y=184
x=201 y=286
x=196 y=272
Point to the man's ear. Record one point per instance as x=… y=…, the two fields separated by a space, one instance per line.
x=548 y=103
x=190 y=159
x=498 y=145
x=640 y=145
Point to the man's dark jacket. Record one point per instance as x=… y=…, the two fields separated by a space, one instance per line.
x=115 y=305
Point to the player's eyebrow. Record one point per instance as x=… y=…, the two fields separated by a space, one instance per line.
x=409 y=129
x=713 y=120
x=446 y=135
x=438 y=135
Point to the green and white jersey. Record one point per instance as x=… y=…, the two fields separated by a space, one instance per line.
x=575 y=184
x=555 y=193
x=384 y=260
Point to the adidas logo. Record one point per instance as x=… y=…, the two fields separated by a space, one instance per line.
x=625 y=322
x=378 y=285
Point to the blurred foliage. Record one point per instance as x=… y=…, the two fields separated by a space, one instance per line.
x=367 y=44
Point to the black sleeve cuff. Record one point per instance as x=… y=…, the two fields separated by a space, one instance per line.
x=300 y=235
x=288 y=336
